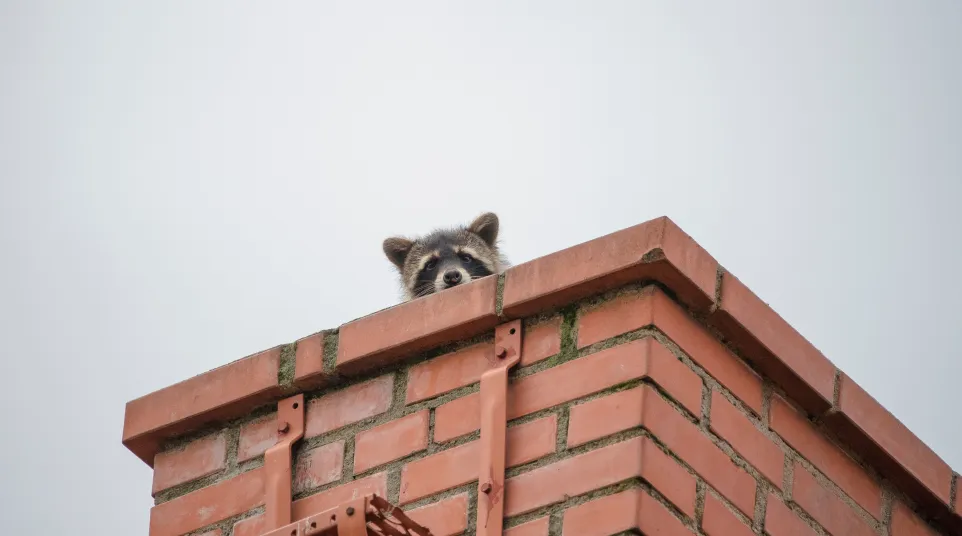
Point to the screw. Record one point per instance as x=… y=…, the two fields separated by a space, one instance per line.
x=501 y=352
x=283 y=427
x=486 y=487
x=350 y=510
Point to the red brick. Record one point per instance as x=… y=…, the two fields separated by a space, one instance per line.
x=669 y=478
x=317 y=503
x=391 y=441
x=705 y=350
x=458 y=417
x=620 y=315
x=450 y=371
x=906 y=523
x=652 y=306
x=309 y=362
x=256 y=438
x=459 y=465
x=605 y=416
x=826 y=507
x=443 y=518
x=801 y=435
x=251 y=526
x=657 y=249
x=348 y=406
x=538 y=527
x=622 y=512
x=319 y=466
x=695 y=449
x=776 y=348
x=750 y=443
x=573 y=476
x=208 y=505
x=891 y=447
x=541 y=341
x=578 y=378
x=596 y=372
x=197 y=459
x=717 y=520
x=225 y=392
x=325 y=414
x=780 y=520
x=383 y=337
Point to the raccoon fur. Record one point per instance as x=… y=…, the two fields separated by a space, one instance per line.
x=446 y=258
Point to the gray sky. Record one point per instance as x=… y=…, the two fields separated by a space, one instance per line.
x=186 y=183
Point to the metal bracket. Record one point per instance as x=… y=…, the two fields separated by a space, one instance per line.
x=494 y=423
x=369 y=515
x=277 y=462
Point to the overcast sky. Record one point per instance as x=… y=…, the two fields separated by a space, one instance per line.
x=186 y=183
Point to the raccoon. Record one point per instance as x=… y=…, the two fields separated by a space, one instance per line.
x=447 y=258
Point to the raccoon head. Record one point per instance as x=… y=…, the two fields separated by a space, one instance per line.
x=446 y=258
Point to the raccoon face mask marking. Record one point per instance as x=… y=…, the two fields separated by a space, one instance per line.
x=446 y=258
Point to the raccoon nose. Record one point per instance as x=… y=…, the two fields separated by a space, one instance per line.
x=452 y=277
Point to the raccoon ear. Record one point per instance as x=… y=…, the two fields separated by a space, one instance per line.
x=486 y=226
x=397 y=250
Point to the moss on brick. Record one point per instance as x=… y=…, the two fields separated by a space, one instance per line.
x=288 y=361
x=329 y=358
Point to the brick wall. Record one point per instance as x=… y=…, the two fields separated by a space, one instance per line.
x=655 y=394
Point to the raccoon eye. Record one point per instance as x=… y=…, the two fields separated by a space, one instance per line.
x=465 y=257
x=431 y=264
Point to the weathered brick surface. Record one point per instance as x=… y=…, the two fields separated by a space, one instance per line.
x=538 y=527
x=906 y=523
x=459 y=465
x=614 y=514
x=750 y=443
x=541 y=341
x=615 y=317
x=581 y=377
x=826 y=507
x=391 y=441
x=608 y=436
x=225 y=392
x=881 y=438
x=309 y=362
x=826 y=457
x=604 y=416
x=319 y=466
x=652 y=307
x=717 y=520
x=781 y=521
x=348 y=406
x=208 y=505
x=197 y=459
x=799 y=367
x=449 y=371
x=655 y=249
x=697 y=450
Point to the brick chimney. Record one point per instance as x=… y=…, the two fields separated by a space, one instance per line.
x=629 y=384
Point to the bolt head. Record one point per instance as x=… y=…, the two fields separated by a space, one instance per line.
x=486 y=487
x=501 y=352
x=283 y=427
x=350 y=510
